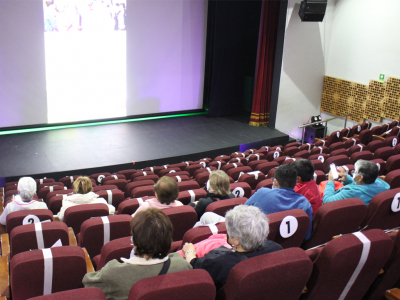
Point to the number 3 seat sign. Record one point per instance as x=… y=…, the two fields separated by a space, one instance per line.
x=288 y=226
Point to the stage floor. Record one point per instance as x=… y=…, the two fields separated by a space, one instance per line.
x=85 y=150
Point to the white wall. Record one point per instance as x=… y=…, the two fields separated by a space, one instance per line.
x=305 y=55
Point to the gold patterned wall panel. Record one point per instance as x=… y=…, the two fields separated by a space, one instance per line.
x=391 y=100
x=373 y=101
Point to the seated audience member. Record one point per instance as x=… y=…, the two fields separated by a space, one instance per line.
x=218 y=187
x=26 y=190
x=306 y=184
x=152 y=238
x=82 y=195
x=247 y=231
x=282 y=197
x=166 y=191
x=364 y=184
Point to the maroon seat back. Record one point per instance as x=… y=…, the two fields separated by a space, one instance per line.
x=131 y=185
x=333 y=138
x=356 y=148
x=142 y=191
x=104 y=188
x=128 y=173
x=168 y=171
x=202 y=170
x=98 y=177
x=384 y=153
x=69 y=180
x=130 y=205
x=237 y=154
x=120 y=183
x=202 y=178
x=229 y=166
x=252 y=178
x=347 y=266
x=270 y=274
x=291 y=151
x=192 y=168
x=140 y=173
x=188 y=185
x=319 y=150
x=97 y=232
x=380 y=213
x=374 y=145
x=183 y=218
x=302 y=154
x=335 y=218
x=393 y=163
x=46 y=188
x=282 y=227
x=266 y=183
x=365 y=136
x=217 y=164
x=149 y=177
x=336 y=146
x=27 y=271
x=365 y=155
x=224 y=158
x=265 y=167
x=42 y=235
x=44 y=180
x=235 y=172
x=179 y=176
x=339 y=160
x=256 y=157
x=89 y=293
x=113 y=197
x=189 y=196
x=74 y=216
x=341 y=151
x=393 y=179
x=307 y=146
x=240 y=189
x=16 y=218
x=222 y=206
x=241 y=160
x=114 y=249
x=57 y=193
x=273 y=154
x=196 y=284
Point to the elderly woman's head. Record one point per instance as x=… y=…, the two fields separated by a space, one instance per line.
x=82 y=185
x=26 y=188
x=166 y=190
x=247 y=226
x=218 y=183
x=151 y=233
x=366 y=172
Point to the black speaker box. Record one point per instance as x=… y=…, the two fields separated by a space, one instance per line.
x=312 y=10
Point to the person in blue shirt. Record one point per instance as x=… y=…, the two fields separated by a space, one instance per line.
x=282 y=197
x=364 y=184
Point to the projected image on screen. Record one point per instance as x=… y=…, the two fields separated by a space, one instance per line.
x=85 y=50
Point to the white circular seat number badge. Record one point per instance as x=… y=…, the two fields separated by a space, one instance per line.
x=288 y=226
x=321 y=158
x=276 y=154
x=238 y=192
x=394 y=142
x=396 y=203
x=30 y=219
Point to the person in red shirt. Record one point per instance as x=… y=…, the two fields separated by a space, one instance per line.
x=306 y=184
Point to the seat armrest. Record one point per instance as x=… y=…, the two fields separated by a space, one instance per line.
x=5 y=245
x=355 y=135
x=378 y=137
x=4 y=277
x=393 y=294
x=345 y=138
x=317 y=139
x=89 y=265
x=72 y=238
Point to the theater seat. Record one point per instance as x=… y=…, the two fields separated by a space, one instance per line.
x=217 y=164
x=168 y=171
x=189 y=196
x=193 y=284
x=339 y=160
x=265 y=167
x=282 y=228
x=74 y=216
x=16 y=218
x=347 y=266
x=252 y=178
x=229 y=166
x=113 y=197
x=97 y=232
x=393 y=163
x=127 y=173
x=274 y=154
x=335 y=218
x=130 y=205
x=183 y=218
x=65 y=265
x=131 y=185
x=302 y=154
x=222 y=206
x=240 y=189
x=380 y=213
x=89 y=293
x=393 y=179
x=69 y=180
x=114 y=249
x=273 y=276
x=241 y=160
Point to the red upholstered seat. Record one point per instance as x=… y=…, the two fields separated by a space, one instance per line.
x=265 y=167
x=202 y=178
x=111 y=177
x=256 y=157
x=188 y=185
x=319 y=150
x=142 y=191
x=356 y=148
x=241 y=160
x=339 y=160
x=130 y=205
x=175 y=286
x=229 y=166
x=280 y=275
x=319 y=176
x=189 y=196
x=168 y=170
x=254 y=163
x=43 y=180
x=237 y=154
x=27 y=271
x=251 y=151
x=131 y=185
x=281 y=159
x=267 y=183
x=114 y=249
x=181 y=165
x=288 y=160
x=113 y=197
x=336 y=146
x=97 y=232
x=140 y=174
x=290 y=145
x=98 y=177
x=318 y=165
x=384 y=153
x=335 y=218
x=321 y=156
x=365 y=136
x=381 y=165
x=351 y=142
x=25 y=238
x=252 y=178
x=204 y=170
x=393 y=163
x=333 y=138
x=193 y=168
x=291 y=151
x=222 y=206
x=271 y=173
x=179 y=178
x=392 y=141
x=127 y=173
x=379 y=211
x=76 y=294
x=225 y=158
x=302 y=154
x=272 y=154
x=240 y=189
x=277 y=220
x=307 y=146
x=120 y=183
x=104 y=188
x=277 y=147
x=217 y=164
x=183 y=218
x=149 y=177
x=42 y=193
x=341 y=151
x=74 y=216
x=16 y=218
x=348 y=257
x=68 y=180
x=393 y=179
x=235 y=172
x=374 y=145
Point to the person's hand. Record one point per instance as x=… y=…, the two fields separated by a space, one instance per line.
x=342 y=174
x=330 y=177
x=187 y=247
x=195 y=202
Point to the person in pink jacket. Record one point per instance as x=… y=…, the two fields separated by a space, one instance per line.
x=306 y=184
x=166 y=191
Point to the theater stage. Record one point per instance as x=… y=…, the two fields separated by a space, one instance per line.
x=88 y=150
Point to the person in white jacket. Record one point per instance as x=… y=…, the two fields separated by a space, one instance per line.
x=82 y=195
x=26 y=190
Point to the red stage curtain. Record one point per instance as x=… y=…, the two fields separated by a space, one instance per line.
x=265 y=63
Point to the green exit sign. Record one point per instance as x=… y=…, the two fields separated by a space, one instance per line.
x=382 y=78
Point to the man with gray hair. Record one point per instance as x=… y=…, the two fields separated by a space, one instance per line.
x=26 y=191
x=364 y=184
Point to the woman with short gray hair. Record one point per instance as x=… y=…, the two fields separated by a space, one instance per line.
x=23 y=201
x=247 y=231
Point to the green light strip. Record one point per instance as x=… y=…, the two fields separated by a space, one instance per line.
x=96 y=123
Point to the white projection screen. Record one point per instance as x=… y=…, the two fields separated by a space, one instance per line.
x=77 y=60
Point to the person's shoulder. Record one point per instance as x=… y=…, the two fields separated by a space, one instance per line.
x=271 y=246
x=178 y=262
